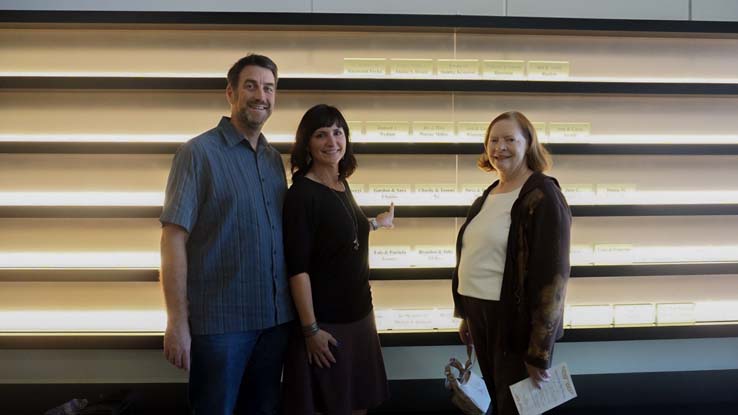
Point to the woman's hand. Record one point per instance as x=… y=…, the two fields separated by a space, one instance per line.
x=385 y=219
x=537 y=375
x=464 y=333
x=318 y=349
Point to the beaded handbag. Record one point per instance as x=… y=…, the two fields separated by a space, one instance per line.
x=468 y=390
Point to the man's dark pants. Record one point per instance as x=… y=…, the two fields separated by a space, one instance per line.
x=237 y=372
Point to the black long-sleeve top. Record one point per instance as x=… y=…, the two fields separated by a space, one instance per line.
x=319 y=233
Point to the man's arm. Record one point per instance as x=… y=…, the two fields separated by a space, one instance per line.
x=177 y=337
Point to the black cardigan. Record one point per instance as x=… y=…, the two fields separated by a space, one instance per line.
x=536 y=269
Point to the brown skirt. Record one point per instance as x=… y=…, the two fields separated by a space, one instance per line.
x=356 y=381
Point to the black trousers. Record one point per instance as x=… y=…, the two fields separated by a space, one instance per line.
x=499 y=369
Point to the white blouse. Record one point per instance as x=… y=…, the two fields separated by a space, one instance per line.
x=484 y=248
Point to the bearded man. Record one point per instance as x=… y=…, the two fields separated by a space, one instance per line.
x=223 y=270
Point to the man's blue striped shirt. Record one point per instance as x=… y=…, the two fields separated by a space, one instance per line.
x=229 y=198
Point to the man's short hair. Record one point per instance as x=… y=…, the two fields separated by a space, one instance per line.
x=251 y=59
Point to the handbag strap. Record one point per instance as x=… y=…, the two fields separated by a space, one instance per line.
x=452 y=382
x=464 y=370
x=470 y=358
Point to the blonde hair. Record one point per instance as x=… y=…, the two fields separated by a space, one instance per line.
x=537 y=157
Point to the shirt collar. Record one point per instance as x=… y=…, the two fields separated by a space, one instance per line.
x=233 y=137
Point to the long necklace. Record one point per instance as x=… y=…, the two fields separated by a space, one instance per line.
x=351 y=214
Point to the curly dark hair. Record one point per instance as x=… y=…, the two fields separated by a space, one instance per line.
x=320 y=116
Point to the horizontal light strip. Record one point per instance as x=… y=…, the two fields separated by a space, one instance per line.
x=185 y=75
x=581 y=255
x=633 y=139
x=95 y=138
x=646 y=313
x=654 y=197
x=624 y=254
x=154 y=321
x=117 y=138
x=83 y=321
x=574 y=198
x=579 y=197
x=39 y=260
x=116 y=74
x=81 y=198
x=646 y=139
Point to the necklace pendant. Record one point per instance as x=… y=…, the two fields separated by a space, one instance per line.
x=356 y=244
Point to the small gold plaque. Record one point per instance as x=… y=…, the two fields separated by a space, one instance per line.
x=540 y=129
x=569 y=129
x=433 y=130
x=634 y=314
x=435 y=188
x=356 y=128
x=503 y=69
x=387 y=129
x=477 y=189
x=435 y=256
x=613 y=254
x=676 y=313
x=472 y=130
x=589 y=315
x=548 y=69
x=581 y=254
x=365 y=66
x=462 y=68
x=390 y=192
x=414 y=319
x=411 y=67
x=390 y=257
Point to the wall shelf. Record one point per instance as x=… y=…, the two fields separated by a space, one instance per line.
x=642 y=270
x=371 y=84
x=577 y=210
x=388 y=339
x=468 y=98
x=377 y=274
x=577 y=271
x=440 y=23
x=437 y=211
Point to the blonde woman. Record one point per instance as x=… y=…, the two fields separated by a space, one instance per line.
x=512 y=265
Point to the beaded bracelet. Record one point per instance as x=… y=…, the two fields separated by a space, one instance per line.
x=374 y=224
x=311 y=329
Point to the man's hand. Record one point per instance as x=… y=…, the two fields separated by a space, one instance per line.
x=177 y=337
x=177 y=341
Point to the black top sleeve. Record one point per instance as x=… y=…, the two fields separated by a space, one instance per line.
x=298 y=229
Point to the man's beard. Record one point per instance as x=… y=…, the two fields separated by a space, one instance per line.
x=246 y=120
